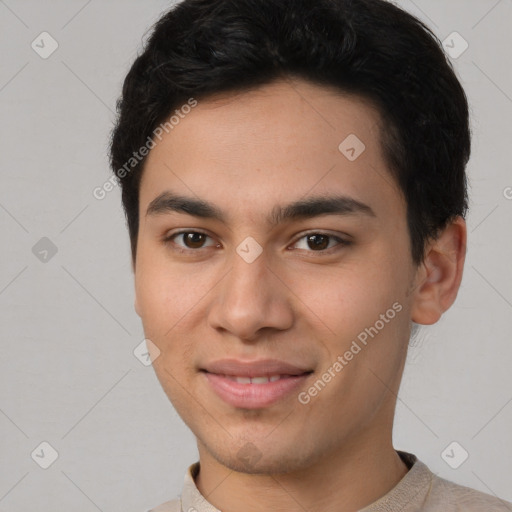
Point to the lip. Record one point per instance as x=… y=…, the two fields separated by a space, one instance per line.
x=258 y=368
x=253 y=396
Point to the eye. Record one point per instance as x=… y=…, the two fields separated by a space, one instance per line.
x=320 y=242
x=311 y=242
x=191 y=240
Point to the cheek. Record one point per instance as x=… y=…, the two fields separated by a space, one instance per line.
x=344 y=301
x=162 y=297
x=171 y=300
x=166 y=300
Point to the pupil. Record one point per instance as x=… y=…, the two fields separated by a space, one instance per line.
x=316 y=244
x=194 y=238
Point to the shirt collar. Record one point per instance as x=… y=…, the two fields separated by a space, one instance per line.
x=412 y=488
x=191 y=499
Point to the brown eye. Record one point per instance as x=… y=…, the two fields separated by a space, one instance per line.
x=321 y=242
x=192 y=240
x=318 y=241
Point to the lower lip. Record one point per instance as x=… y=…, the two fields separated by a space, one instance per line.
x=253 y=396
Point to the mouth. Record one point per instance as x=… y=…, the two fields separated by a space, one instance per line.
x=257 y=380
x=250 y=388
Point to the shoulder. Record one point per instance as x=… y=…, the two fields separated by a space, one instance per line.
x=168 y=506
x=446 y=495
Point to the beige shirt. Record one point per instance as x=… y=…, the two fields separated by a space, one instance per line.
x=418 y=490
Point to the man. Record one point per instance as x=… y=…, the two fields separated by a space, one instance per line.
x=293 y=177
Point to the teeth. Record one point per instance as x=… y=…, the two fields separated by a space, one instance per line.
x=260 y=380
x=254 y=380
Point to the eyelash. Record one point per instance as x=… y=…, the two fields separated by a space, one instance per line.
x=168 y=240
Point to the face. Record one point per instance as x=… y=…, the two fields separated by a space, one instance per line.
x=260 y=238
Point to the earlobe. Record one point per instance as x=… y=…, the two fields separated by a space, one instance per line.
x=439 y=276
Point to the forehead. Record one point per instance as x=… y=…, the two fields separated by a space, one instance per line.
x=270 y=145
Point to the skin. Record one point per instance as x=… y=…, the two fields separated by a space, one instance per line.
x=201 y=301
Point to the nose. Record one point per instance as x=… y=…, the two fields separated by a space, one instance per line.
x=251 y=299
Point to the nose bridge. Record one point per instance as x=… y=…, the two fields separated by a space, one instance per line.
x=247 y=286
x=250 y=297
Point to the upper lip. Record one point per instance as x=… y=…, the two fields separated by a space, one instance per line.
x=259 y=368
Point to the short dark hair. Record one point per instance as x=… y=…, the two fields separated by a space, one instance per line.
x=369 y=48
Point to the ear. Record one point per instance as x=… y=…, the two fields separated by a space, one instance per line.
x=438 y=277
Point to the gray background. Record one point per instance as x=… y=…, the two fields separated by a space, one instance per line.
x=68 y=375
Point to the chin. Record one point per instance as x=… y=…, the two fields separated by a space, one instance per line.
x=263 y=458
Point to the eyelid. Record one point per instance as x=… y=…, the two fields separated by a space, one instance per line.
x=168 y=238
x=343 y=241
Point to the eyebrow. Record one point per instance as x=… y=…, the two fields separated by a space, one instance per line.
x=168 y=202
